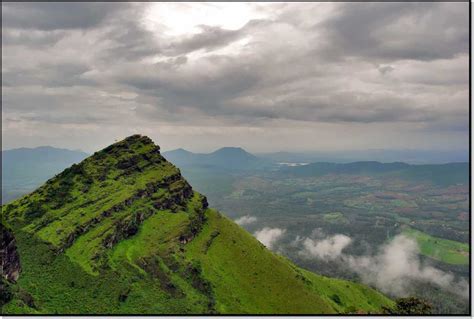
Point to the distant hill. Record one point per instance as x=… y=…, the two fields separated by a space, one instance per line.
x=123 y=232
x=24 y=169
x=441 y=174
x=229 y=158
x=386 y=156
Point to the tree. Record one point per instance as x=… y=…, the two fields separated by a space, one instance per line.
x=409 y=306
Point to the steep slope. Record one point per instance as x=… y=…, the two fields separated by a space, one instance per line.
x=122 y=232
x=9 y=255
x=10 y=264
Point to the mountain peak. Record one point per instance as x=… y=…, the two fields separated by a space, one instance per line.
x=230 y=149
x=138 y=138
x=133 y=142
x=179 y=151
x=233 y=151
x=116 y=188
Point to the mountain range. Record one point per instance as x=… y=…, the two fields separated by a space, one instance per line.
x=24 y=169
x=122 y=232
x=229 y=158
x=380 y=155
x=440 y=174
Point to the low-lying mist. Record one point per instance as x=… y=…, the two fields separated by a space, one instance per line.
x=397 y=265
x=393 y=268
x=269 y=236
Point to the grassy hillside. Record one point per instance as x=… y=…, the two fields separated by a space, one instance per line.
x=123 y=233
x=248 y=278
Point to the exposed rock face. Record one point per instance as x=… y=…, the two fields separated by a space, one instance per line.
x=196 y=222
x=9 y=255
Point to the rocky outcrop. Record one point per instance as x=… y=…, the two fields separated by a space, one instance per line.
x=196 y=221
x=9 y=255
x=126 y=227
x=209 y=242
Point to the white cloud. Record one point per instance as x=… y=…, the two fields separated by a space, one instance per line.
x=268 y=236
x=397 y=264
x=327 y=249
x=245 y=220
x=393 y=269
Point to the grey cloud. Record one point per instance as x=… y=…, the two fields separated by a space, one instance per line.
x=51 y=75
x=445 y=72
x=60 y=105
x=356 y=64
x=336 y=107
x=387 y=31
x=31 y=38
x=56 y=15
x=203 y=87
x=127 y=40
x=385 y=69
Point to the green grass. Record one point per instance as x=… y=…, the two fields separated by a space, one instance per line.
x=248 y=278
x=445 y=250
x=245 y=277
x=59 y=285
x=157 y=234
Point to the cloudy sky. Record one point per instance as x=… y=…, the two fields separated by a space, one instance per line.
x=263 y=76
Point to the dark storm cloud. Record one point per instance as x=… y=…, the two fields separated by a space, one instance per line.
x=76 y=64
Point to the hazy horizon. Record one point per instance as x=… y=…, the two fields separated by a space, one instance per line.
x=410 y=156
x=218 y=147
x=267 y=77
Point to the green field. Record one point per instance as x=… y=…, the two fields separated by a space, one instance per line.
x=335 y=218
x=448 y=251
